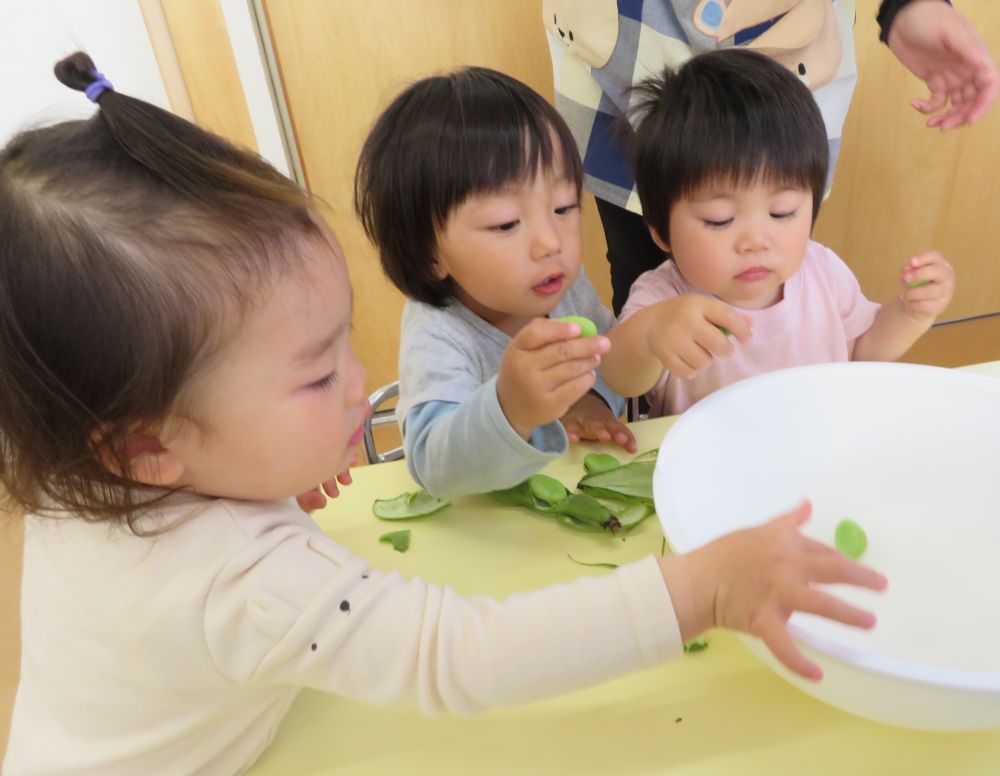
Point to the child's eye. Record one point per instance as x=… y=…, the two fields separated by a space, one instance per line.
x=561 y=211
x=717 y=224
x=323 y=383
x=784 y=215
x=505 y=227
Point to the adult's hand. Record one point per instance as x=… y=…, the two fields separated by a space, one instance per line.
x=939 y=45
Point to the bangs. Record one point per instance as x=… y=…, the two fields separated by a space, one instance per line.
x=744 y=147
x=496 y=137
x=731 y=116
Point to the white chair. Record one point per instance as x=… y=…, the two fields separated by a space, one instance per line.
x=381 y=417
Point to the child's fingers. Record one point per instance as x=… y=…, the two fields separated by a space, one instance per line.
x=923 y=290
x=718 y=341
x=606 y=430
x=927 y=297
x=330 y=487
x=935 y=304
x=597 y=428
x=794 y=518
x=563 y=372
x=776 y=637
x=720 y=314
x=687 y=361
x=572 y=350
x=932 y=307
x=546 y=331
x=600 y=432
x=624 y=437
x=569 y=392
x=924 y=261
x=835 y=567
x=573 y=430
x=311 y=500
x=562 y=351
x=822 y=604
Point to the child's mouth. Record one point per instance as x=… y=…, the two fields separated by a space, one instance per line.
x=359 y=434
x=551 y=285
x=753 y=274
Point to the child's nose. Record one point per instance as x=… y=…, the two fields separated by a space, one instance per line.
x=752 y=239
x=545 y=240
x=359 y=378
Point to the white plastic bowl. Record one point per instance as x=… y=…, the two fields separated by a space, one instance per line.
x=911 y=453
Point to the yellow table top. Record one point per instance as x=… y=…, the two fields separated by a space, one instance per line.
x=720 y=711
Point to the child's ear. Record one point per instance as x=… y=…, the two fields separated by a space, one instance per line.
x=439 y=270
x=149 y=461
x=660 y=242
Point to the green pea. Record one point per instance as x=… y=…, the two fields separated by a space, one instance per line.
x=600 y=462
x=547 y=489
x=587 y=327
x=917 y=283
x=850 y=538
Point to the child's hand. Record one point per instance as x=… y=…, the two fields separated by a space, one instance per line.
x=547 y=367
x=687 y=333
x=928 y=283
x=591 y=418
x=314 y=499
x=753 y=580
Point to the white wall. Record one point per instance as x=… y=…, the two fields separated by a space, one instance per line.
x=35 y=34
x=275 y=140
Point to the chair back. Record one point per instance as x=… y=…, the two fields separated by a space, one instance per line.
x=381 y=416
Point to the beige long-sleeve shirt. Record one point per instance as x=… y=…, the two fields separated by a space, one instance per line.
x=181 y=653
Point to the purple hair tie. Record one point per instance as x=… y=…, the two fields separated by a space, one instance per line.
x=98 y=87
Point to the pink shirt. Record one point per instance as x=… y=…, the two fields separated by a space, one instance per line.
x=821 y=313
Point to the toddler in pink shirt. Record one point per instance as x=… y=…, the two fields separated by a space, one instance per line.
x=731 y=160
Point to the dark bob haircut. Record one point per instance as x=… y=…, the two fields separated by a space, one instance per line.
x=443 y=139
x=730 y=115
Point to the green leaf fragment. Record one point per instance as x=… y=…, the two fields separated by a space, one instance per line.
x=850 y=538
x=696 y=645
x=517 y=496
x=587 y=327
x=632 y=481
x=649 y=455
x=918 y=283
x=629 y=512
x=595 y=565
x=407 y=506
x=600 y=462
x=587 y=509
x=400 y=540
x=724 y=330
